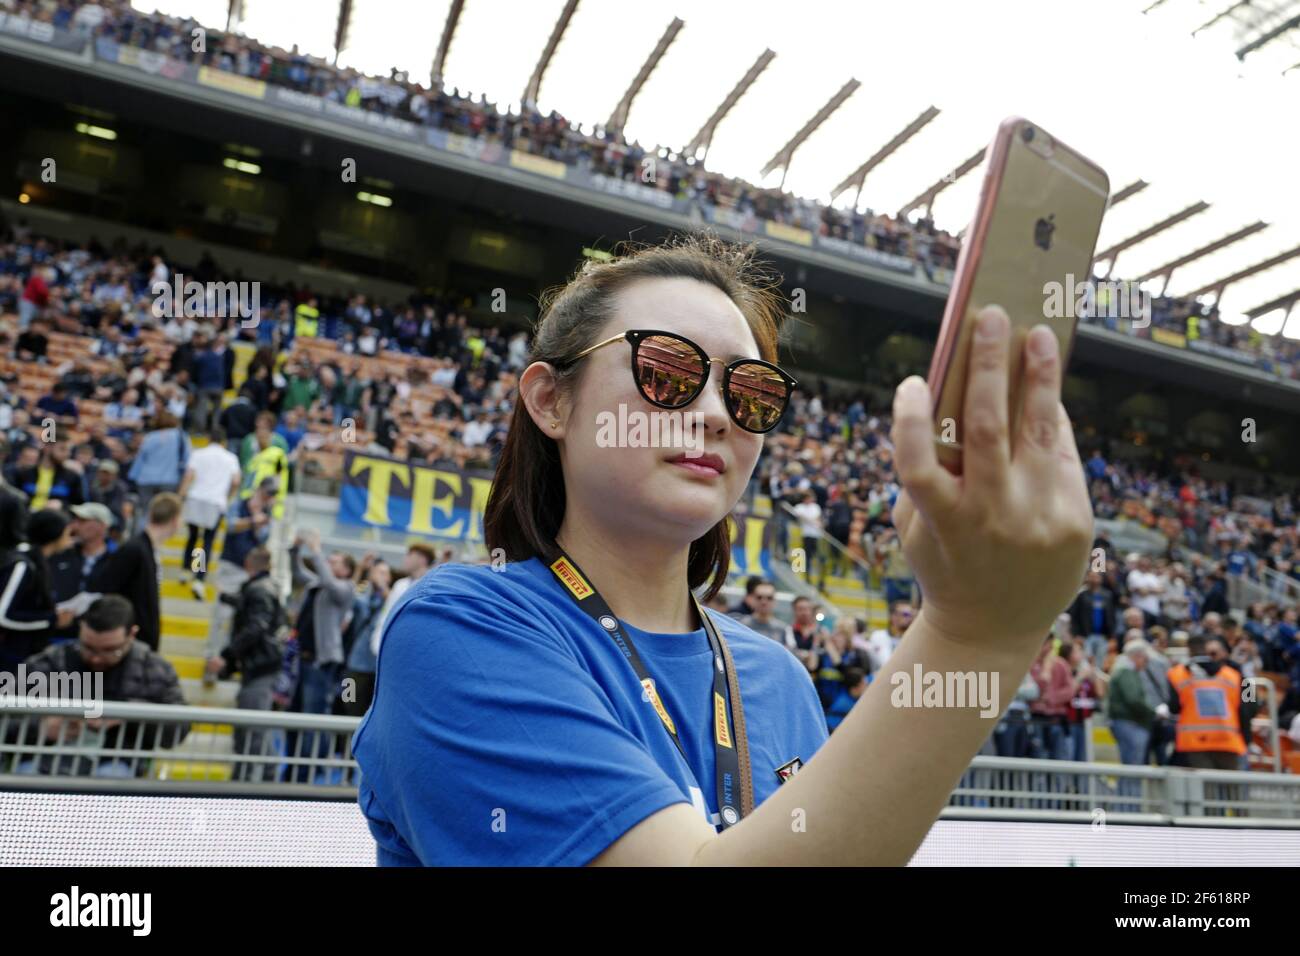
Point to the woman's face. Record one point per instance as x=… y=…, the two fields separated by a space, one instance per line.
x=627 y=481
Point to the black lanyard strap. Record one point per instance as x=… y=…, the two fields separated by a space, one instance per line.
x=734 y=780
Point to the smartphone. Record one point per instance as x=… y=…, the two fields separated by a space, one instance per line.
x=1029 y=249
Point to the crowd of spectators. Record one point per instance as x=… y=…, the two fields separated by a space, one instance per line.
x=605 y=152
x=100 y=397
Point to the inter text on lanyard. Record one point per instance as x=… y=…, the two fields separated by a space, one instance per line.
x=735 y=791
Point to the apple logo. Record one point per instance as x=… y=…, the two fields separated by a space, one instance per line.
x=1043 y=230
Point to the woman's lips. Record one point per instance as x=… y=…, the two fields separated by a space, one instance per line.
x=709 y=466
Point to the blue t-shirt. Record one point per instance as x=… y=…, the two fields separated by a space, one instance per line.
x=508 y=729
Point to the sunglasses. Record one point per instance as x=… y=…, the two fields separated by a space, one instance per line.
x=671 y=372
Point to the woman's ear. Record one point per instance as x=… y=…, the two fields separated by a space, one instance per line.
x=539 y=390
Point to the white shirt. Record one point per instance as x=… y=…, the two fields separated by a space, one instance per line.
x=881 y=645
x=1138 y=579
x=215 y=469
x=809 y=514
x=475 y=433
x=377 y=633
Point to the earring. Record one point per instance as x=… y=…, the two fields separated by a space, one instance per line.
x=555 y=424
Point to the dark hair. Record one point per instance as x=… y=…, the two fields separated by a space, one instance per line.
x=1196 y=645
x=425 y=551
x=109 y=613
x=752 y=583
x=348 y=561
x=260 y=557
x=217 y=435
x=13 y=520
x=527 y=502
x=46 y=526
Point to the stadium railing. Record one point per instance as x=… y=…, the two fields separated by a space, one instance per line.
x=1028 y=789
x=235 y=752
x=286 y=755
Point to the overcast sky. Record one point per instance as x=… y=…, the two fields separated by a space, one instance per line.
x=1136 y=93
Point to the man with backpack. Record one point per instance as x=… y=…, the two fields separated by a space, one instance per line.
x=255 y=652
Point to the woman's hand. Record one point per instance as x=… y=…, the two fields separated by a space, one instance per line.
x=1000 y=550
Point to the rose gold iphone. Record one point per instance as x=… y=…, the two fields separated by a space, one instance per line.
x=1029 y=249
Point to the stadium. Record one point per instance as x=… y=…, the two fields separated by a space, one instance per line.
x=264 y=313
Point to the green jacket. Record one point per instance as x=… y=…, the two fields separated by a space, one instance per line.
x=1125 y=699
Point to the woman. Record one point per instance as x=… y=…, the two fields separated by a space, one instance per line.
x=509 y=724
x=28 y=617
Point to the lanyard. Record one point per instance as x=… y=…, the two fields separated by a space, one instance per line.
x=727 y=762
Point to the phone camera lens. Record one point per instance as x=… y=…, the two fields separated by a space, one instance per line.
x=1027 y=134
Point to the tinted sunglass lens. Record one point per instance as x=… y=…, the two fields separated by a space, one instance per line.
x=756 y=396
x=668 y=370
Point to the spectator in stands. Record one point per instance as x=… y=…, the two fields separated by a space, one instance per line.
x=852 y=687
x=1145 y=588
x=53 y=479
x=33 y=344
x=1056 y=688
x=376 y=583
x=134 y=570
x=1011 y=736
x=248 y=526
x=419 y=560
x=130 y=670
x=160 y=463
x=884 y=641
x=255 y=651
x=58 y=405
x=239 y=418
x=327 y=602
x=835 y=652
x=763 y=619
x=745 y=606
x=805 y=628
x=209 y=374
x=109 y=490
x=1092 y=616
x=28 y=617
x=71 y=568
x=211 y=482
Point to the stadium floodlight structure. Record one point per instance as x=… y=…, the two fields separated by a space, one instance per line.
x=1109 y=255
x=529 y=98
x=1166 y=271
x=856 y=178
x=927 y=196
x=342 y=28
x=1218 y=286
x=444 y=43
x=618 y=119
x=786 y=153
x=1132 y=189
x=704 y=138
x=1268 y=37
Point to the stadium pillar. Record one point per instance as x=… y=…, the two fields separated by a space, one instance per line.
x=234 y=15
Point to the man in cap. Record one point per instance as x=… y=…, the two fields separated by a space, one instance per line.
x=70 y=569
x=108 y=489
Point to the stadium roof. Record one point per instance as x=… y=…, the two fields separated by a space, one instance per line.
x=1194 y=98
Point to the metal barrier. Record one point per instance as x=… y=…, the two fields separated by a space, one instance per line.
x=1025 y=789
x=134 y=747
x=278 y=754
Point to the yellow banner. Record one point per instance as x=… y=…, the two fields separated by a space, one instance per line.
x=537 y=164
x=1168 y=337
x=779 y=230
x=232 y=82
